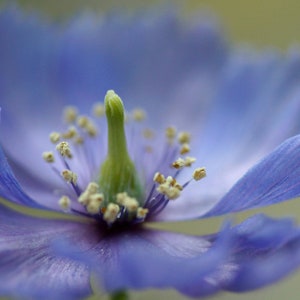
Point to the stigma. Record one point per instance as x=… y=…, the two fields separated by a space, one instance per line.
x=121 y=177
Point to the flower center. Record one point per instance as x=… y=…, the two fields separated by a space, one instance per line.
x=125 y=190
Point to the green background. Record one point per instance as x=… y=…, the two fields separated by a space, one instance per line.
x=262 y=24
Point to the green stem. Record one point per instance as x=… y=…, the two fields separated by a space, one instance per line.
x=120 y=295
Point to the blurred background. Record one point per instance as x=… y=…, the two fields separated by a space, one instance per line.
x=260 y=23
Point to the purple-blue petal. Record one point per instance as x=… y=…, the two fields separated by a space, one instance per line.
x=28 y=267
x=272 y=180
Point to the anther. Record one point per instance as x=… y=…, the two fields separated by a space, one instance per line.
x=142 y=213
x=159 y=178
x=184 y=137
x=131 y=204
x=138 y=115
x=178 y=163
x=69 y=176
x=64 y=202
x=70 y=114
x=71 y=133
x=98 y=110
x=185 y=148
x=94 y=203
x=199 y=173
x=64 y=149
x=170 y=133
x=189 y=161
x=111 y=213
x=48 y=156
x=54 y=137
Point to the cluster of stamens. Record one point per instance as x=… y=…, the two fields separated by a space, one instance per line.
x=90 y=199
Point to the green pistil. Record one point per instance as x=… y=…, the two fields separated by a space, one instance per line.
x=118 y=173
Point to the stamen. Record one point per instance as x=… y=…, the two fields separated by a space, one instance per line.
x=199 y=173
x=54 y=137
x=159 y=178
x=48 y=156
x=98 y=110
x=94 y=204
x=64 y=149
x=170 y=133
x=128 y=202
x=111 y=213
x=189 y=161
x=64 y=202
x=171 y=188
x=184 y=137
x=179 y=163
x=70 y=114
x=71 y=133
x=142 y=213
x=69 y=176
x=185 y=148
x=138 y=115
x=82 y=121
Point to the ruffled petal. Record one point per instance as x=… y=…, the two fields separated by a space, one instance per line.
x=274 y=179
x=266 y=251
x=194 y=266
x=28 y=267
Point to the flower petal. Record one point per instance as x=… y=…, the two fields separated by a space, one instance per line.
x=194 y=266
x=9 y=186
x=28 y=268
x=274 y=179
x=266 y=251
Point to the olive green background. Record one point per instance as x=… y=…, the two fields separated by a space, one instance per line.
x=262 y=24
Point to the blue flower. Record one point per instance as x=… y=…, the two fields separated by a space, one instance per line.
x=237 y=105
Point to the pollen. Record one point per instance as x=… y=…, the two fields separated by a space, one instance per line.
x=171 y=133
x=82 y=121
x=48 y=156
x=184 y=137
x=92 y=188
x=54 y=137
x=171 y=188
x=64 y=149
x=69 y=176
x=142 y=213
x=185 y=148
x=95 y=202
x=159 y=178
x=70 y=114
x=111 y=213
x=189 y=161
x=138 y=115
x=71 y=133
x=199 y=173
x=64 y=202
x=98 y=110
x=131 y=204
x=179 y=163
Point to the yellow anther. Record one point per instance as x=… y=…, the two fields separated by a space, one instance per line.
x=189 y=161
x=178 y=163
x=159 y=178
x=82 y=121
x=84 y=198
x=70 y=114
x=94 y=203
x=141 y=213
x=138 y=115
x=111 y=213
x=78 y=140
x=64 y=202
x=184 y=137
x=91 y=129
x=92 y=188
x=171 y=188
x=98 y=110
x=199 y=173
x=48 y=156
x=148 y=133
x=71 y=133
x=64 y=149
x=170 y=133
x=130 y=203
x=69 y=176
x=54 y=137
x=185 y=148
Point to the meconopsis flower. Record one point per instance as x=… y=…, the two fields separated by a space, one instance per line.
x=93 y=180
